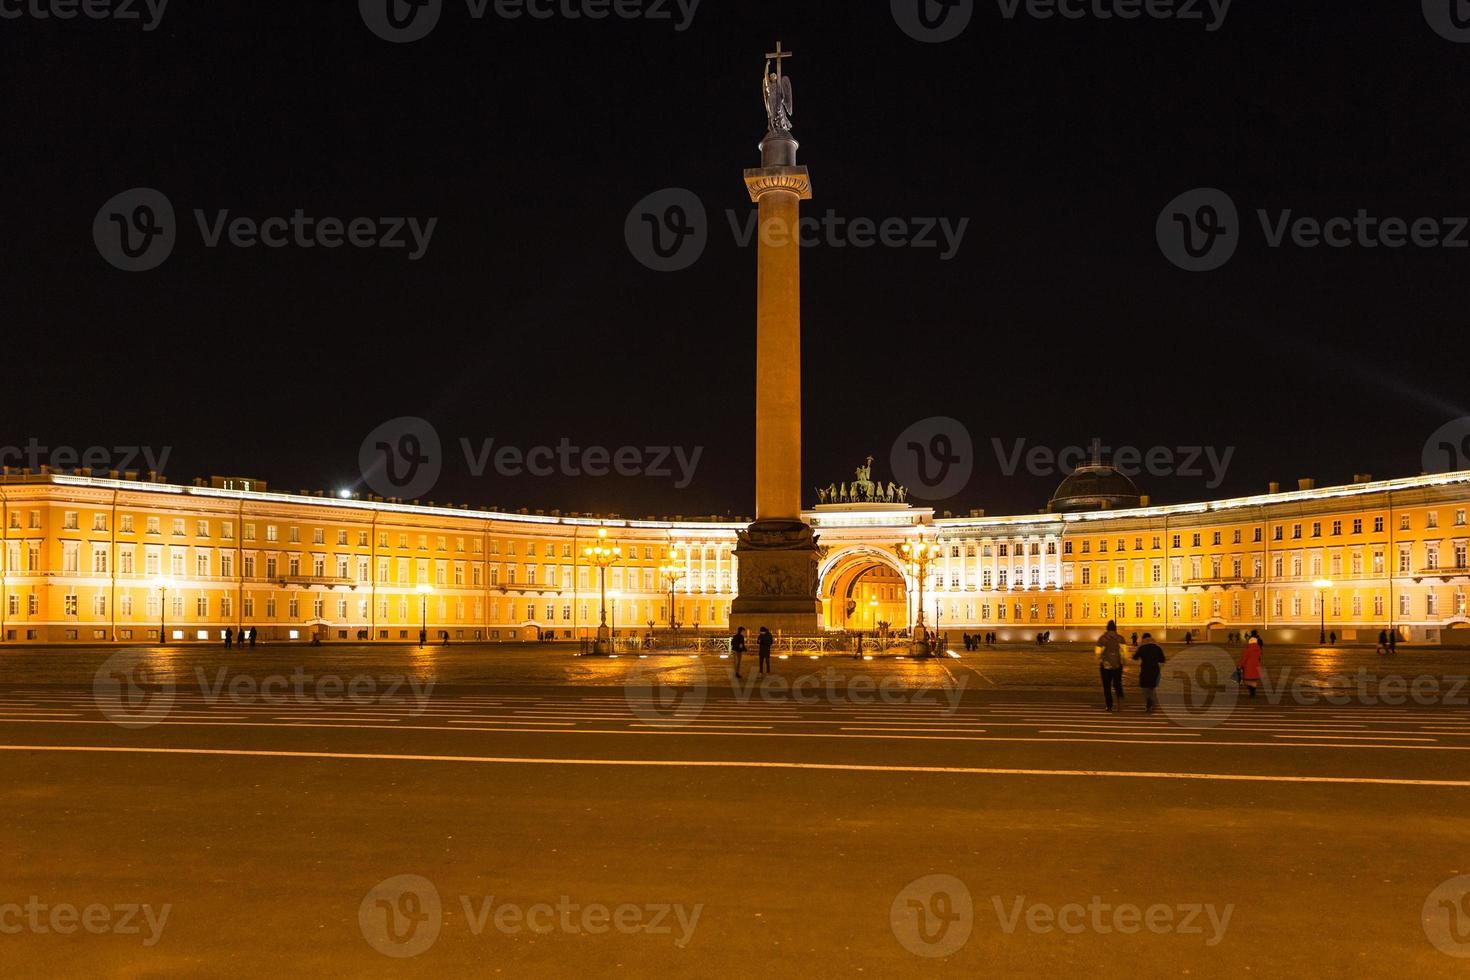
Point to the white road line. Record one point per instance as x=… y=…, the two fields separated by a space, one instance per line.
x=1364 y=738
x=745 y=764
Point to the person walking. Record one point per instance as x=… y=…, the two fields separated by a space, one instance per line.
x=1250 y=664
x=1382 y=642
x=229 y=637
x=763 y=643
x=1393 y=642
x=737 y=648
x=1109 y=651
x=1150 y=657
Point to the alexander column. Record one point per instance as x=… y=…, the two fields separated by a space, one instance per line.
x=777 y=553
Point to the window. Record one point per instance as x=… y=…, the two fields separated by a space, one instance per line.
x=153 y=526
x=1431 y=519
x=271 y=533
x=69 y=522
x=1377 y=525
x=99 y=522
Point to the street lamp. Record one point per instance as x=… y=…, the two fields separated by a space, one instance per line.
x=673 y=574
x=1323 y=585
x=161 y=584
x=604 y=556
x=424 y=589
x=919 y=554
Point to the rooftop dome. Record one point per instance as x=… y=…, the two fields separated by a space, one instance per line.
x=1095 y=486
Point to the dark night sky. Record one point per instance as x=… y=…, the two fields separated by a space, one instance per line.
x=528 y=320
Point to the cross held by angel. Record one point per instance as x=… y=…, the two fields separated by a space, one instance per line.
x=776 y=85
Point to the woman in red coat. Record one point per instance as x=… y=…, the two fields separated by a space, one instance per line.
x=1250 y=663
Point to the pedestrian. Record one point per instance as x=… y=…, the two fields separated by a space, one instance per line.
x=229 y=637
x=1250 y=663
x=252 y=637
x=857 y=647
x=1332 y=638
x=1135 y=637
x=763 y=642
x=424 y=636
x=737 y=648
x=1151 y=657
x=1393 y=642
x=1188 y=639
x=1382 y=642
x=1109 y=651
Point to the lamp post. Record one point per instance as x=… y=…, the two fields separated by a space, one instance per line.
x=424 y=589
x=161 y=584
x=919 y=555
x=673 y=574
x=1323 y=585
x=604 y=555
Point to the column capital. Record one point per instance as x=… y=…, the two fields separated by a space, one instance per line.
x=792 y=180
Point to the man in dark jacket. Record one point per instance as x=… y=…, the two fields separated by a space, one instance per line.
x=1109 y=652
x=737 y=648
x=1151 y=657
x=763 y=642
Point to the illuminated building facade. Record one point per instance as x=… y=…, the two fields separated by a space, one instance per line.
x=111 y=559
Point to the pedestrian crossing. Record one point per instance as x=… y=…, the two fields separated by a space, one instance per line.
x=695 y=712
